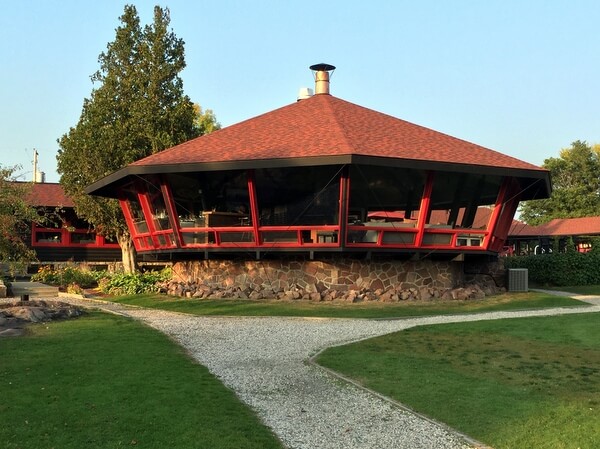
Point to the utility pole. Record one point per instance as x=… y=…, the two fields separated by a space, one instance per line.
x=35 y=163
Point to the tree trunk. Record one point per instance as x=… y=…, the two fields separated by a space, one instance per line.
x=127 y=253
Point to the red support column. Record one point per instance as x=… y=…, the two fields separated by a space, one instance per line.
x=33 y=234
x=254 y=207
x=149 y=216
x=424 y=212
x=130 y=224
x=172 y=211
x=500 y=200
x=343 y=207
x=504 y=221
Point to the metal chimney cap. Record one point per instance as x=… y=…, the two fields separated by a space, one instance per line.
x=322 y=67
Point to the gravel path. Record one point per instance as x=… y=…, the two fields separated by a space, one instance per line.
x=264 y=360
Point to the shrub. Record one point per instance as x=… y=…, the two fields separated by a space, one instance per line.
x=64 y=276
x=74 y=289
x=133 y=284
x=560 y=269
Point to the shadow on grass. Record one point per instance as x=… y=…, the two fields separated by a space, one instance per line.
x=375 y=310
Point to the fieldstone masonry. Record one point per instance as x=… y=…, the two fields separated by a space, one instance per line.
x=338 y=278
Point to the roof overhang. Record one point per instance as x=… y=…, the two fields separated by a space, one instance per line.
x=535 y=183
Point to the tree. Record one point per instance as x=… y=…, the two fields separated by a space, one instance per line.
x=16 y=217
x=138 y=109
x=205 y=122
x=576 y=186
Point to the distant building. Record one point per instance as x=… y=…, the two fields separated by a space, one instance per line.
x=67 y=237
x=525 y=239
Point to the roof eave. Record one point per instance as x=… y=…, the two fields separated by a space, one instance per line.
x=108 y=185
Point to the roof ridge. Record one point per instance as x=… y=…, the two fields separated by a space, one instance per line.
x=340 y=125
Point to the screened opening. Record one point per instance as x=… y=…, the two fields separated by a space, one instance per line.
x=211 y=199
x=387 y=198
x=135 y=208
x=460 y=201
x=298 y=196
x=158 y=207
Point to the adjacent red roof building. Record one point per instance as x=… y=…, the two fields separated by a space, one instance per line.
x=48 y=194
x=558 y=227
x=535 y=239
x=64 y=236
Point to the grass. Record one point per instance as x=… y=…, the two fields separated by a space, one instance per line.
x=528 y=382
x=229 y=307
x=582 y=289
x=103 y=381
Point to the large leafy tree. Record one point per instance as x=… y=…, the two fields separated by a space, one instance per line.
x=576 y=186
x=16 y=217
x=137 y=109
x=205 y=121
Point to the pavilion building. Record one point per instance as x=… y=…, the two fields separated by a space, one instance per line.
x=325 y=180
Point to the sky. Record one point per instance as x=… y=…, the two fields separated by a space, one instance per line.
x=518 y=76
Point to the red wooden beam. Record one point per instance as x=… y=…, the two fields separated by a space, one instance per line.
x=424 y=212
x=254 y=207
x=493 y=221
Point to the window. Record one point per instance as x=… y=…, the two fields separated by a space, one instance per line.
x=135 y=209
x=384 y=204
x=48 y=237
x=300 y=196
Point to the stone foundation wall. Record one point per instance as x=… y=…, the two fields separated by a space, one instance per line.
x=310 y=275
x=338 y=278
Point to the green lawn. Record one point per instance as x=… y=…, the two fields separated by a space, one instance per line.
x=582 y=289
x=513 y=301
x=518 y=383
x=102 y=381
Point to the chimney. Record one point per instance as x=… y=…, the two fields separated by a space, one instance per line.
x=322 y=74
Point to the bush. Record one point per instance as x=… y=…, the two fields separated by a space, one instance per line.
x=74 y=280
x=560 y=269
x=133 y=284
x=65 y=276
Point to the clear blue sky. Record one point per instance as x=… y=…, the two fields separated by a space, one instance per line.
x=521 y=77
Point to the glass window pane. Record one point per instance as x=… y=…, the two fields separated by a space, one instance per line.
x=211 y=199
x=83 y=237
x=160 y=214
x=460 y=200
x=384 y=194
x=135 y=209
x=298 y=196
x=48 y=237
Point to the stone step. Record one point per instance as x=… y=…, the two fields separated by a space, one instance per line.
x=33 y=289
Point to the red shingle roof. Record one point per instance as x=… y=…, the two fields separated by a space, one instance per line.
x=323 y=126
x=48 y=194
x=558 y=227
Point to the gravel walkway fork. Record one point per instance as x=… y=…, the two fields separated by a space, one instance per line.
x=264 y=360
